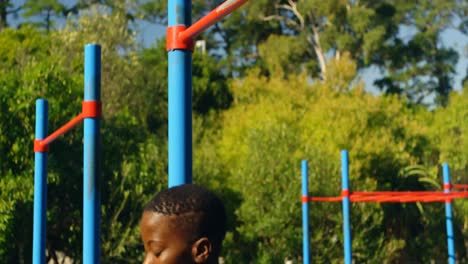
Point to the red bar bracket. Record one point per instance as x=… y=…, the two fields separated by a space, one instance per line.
x=174 y=42
x=345 y=193
x=92 y=109
x=305 y=199
x=40 y=146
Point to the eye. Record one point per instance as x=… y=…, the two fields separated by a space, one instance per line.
x=155 y=249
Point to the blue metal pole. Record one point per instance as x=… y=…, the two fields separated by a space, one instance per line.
x=448 y=216
x=91 y=162
x=40 y=185
x=180 y=100
x=305 y=212
x=346 y=207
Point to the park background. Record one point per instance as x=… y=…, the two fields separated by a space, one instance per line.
x=279 y=81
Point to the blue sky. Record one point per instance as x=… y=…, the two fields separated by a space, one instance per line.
x=148 y=33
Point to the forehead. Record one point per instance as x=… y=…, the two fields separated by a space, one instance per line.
x=160 y=227
x=157 y=223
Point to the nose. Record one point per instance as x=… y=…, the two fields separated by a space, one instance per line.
x=148 y=259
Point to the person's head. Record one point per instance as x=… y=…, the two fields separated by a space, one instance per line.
x=183 y=225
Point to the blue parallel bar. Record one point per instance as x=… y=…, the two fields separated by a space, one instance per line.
x=91 y=155
x=180 y=100
x=305 y=213
x=449 y=216
x=346 y=207
x=40 y=185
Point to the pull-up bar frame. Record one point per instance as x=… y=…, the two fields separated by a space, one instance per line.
x=393 y=196
x=90 y=115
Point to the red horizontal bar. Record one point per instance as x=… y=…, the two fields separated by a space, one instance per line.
x=210 y=19
x=402 y=197
x=395 y=193
x=460 y=186
x=326 y=199
x=72 y=123
x=439 y=197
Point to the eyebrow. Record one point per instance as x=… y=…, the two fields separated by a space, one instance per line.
x=154 y=245
x=153 y=241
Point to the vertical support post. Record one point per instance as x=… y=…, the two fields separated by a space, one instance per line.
x=180 y=99
x=305 y=212
x=91 y=159
x=448 y=216
x=40 y=185
x=346 y=207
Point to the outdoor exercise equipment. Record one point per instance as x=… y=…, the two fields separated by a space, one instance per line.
x=91 y=115
x=180 y=44
x=447 y=195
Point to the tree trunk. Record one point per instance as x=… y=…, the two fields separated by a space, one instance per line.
x=3 y=14
x=315 y=42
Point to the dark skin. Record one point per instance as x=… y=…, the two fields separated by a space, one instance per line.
x=166 y=244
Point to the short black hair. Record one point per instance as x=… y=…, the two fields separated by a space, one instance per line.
x=197 y=208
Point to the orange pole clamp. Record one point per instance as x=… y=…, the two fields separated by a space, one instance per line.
x=92 y=109
x=40 y=146
x=174 y=42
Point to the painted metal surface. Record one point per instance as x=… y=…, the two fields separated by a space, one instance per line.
x=346 y=207
x=448 y=216
x=180 y=100
x=305 y=213
x=91 y=159
x=180 y=83
x=40 y=185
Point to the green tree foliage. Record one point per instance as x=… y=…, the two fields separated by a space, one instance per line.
x=210 y=89
x=402 y=38
x=46 y=9
x=134 y=160
x=28 y=72
x=450 y=133
x=6 y=9
x=156 y=10
x=47 y=66
x=275 y=123
x=418 y=63
x=232 y=41
x=133 y=129
x=358 y=27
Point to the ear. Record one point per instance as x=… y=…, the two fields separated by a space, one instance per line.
x=201 y=250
